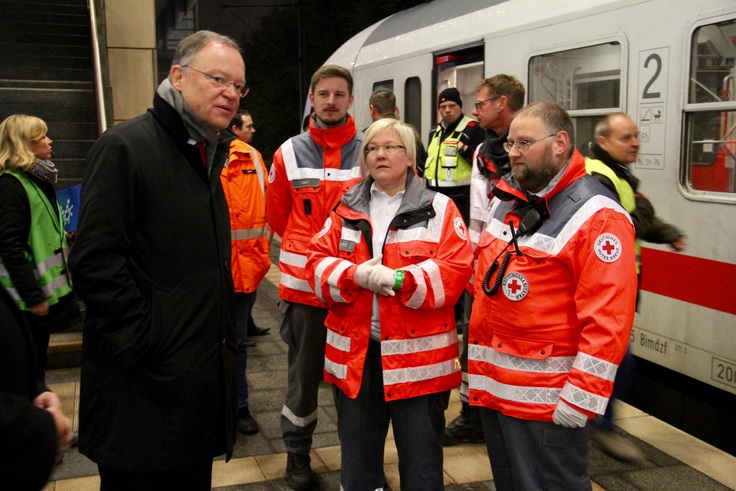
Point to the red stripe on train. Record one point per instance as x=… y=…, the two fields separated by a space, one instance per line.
x=703 y=282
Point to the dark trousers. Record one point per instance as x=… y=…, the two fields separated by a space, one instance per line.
x=362 y=425
x=244 y=303
x=197 y=477
x=304 y=332
x=535 y=455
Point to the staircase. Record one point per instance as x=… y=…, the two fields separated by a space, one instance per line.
x=46 y=70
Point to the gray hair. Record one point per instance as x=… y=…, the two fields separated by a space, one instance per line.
x=192 y=44
x=555 y=118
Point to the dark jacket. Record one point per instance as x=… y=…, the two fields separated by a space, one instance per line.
x=28 y=433
x=152 y=263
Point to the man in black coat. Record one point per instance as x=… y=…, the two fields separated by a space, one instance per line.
x=152 y=263
x=35 y=432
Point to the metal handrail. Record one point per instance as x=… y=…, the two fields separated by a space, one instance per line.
x=99 y=94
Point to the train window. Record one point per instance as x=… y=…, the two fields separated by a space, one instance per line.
x=385 y=84
x=413 y=103
x=460 y=68
x=585 y=81
x=711 y=110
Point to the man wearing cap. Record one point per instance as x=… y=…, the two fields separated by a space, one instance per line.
x=450 y=151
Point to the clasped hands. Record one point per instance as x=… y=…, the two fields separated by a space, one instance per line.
x=374 y=276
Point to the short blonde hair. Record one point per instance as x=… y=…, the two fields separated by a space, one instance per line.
x=405 y=133
x=17 y=133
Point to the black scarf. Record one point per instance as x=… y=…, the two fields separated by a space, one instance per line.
x=492 y=150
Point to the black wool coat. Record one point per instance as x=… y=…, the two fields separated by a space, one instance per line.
x=152 y=263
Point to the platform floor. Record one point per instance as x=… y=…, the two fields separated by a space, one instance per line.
x=676 y=461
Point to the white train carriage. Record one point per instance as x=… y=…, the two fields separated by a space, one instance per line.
x=668 y=64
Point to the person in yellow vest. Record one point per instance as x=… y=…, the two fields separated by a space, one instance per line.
x=33 y=246
x=244 y=182
x=450 y=152
x=616 y=146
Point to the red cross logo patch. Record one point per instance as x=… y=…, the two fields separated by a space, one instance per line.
x=515 y=286
x=325 y=228
x=607 y=248
x=459 y=225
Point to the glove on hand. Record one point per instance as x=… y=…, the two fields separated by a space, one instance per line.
x=565 y=415
x=363 y=271
x=381 y=280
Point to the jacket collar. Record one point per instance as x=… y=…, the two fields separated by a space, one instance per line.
x=509 y=189
x=334 y=136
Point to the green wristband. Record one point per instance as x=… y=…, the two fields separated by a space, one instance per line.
x=399 y=277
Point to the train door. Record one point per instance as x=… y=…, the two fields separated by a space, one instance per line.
x=461 y=68
x=585 y=81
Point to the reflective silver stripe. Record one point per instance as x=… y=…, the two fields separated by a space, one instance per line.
x=3 y=271
x=349 y=234
x=464 y=385
x=416 y=374
x=517 y=393
x=416 y=345
x=287 y=152
x=334 y=278
x=435 y=279
x=248 y=233
x=433 y=230
x=584 y=399
x=337 y=370
x=448 y=184
x=56 y=283
x=341 y=174
x=553 y=245
x=259 y=170
x=296 y=420
x=49 y=263
x=338 y=341
x=420 y=293
x=292 y=259
x=13 y=293
x=295 y=283
x=553 y=364
x=595 y=366
x=318 y=271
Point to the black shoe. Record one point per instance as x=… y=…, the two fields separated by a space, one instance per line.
x=246 y=423
x=75 y=439
x=299 y=475
x=466 y=428
x=250 y=344
x=258 y=331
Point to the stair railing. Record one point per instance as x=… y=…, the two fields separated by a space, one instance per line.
x=96 y=58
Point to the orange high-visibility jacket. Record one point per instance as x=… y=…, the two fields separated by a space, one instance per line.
x=244 y=183
x=428 y=241
x=559 y=323
x=309 y=175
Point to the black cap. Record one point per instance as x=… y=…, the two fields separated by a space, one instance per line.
x=451 y=94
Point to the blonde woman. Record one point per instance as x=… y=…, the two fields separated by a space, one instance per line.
x=390 y=262
x=33 y=247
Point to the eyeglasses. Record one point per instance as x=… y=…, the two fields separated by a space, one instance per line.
x=523 y=145
x=480 y=104
x=221 y=83
x=389 y=149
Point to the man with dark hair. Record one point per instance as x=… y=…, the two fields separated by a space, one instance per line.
x=152 y=263
x=309 y=175
x=383 y=105
x=553 y=307
x=244 y=183
x=497 y=100
x=450 y=151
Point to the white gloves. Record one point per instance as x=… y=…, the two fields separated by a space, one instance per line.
x=374 y=276
x=381 y=280
x=565 y=415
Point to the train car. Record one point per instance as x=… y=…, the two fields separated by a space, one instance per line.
x=670 y=65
